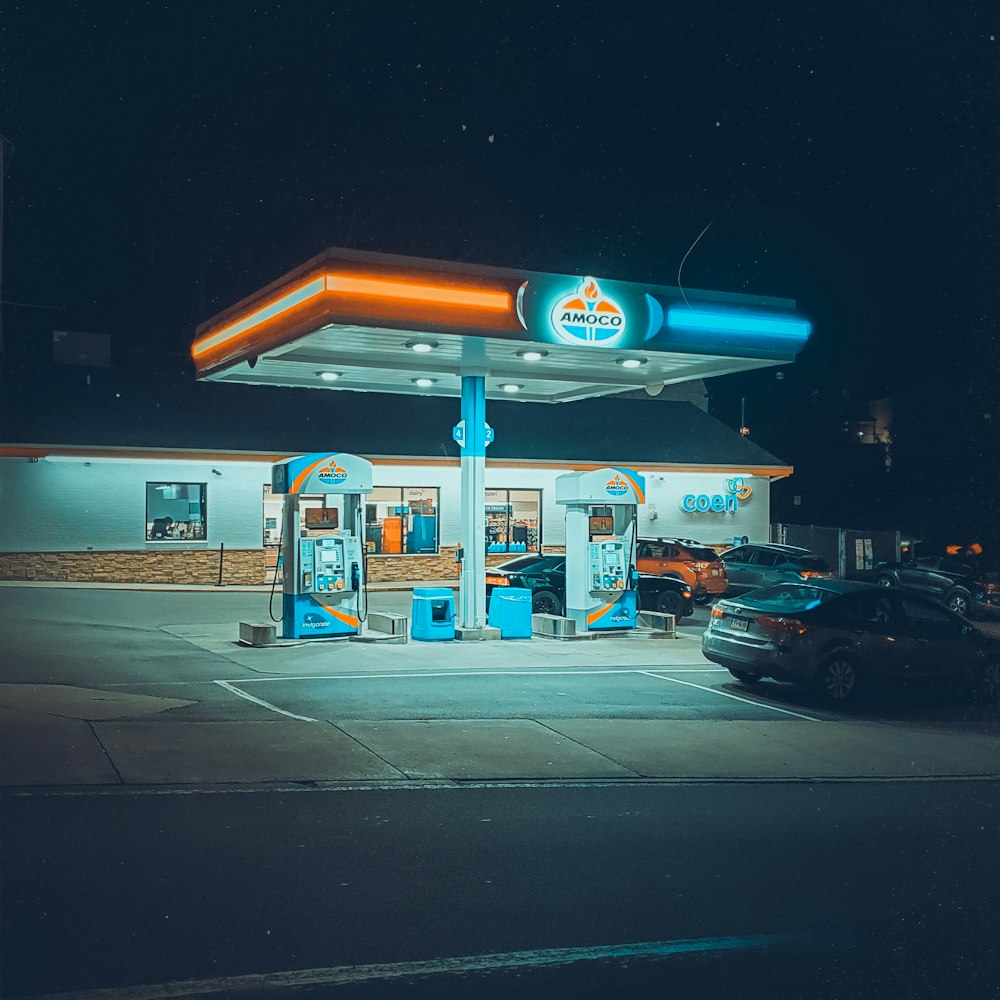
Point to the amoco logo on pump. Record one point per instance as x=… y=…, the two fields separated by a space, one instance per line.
x=617 y=487
x=332 y=475
x=588 y=316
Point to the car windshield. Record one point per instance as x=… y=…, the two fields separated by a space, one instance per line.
x=540 y=564
x=789 y=597
x=703 y=553
x=527 y=562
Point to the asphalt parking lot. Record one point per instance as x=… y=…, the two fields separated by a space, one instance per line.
x=128 y=687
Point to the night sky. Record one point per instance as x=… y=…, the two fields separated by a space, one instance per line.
x=170 y=159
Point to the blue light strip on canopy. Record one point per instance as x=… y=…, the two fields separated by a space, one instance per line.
x=734 y=322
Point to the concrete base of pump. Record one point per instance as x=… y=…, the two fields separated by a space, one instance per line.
x=476 y=634
x=649 y=625
x=388 y=623
x=657 y=621
x=553 y=626
x=258 y=633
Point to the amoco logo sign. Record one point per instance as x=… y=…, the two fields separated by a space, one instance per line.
x=332 y=475
x=617 y=487
x=588 y=316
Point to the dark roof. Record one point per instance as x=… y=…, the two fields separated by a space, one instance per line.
x=216 y=417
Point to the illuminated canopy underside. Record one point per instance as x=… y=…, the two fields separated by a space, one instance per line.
x=358 y=315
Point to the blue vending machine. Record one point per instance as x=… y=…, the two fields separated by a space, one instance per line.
x=423 y=535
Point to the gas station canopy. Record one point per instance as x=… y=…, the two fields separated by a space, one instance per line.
x=375 y=322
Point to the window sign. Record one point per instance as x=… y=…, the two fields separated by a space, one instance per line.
x=175 y=512
x=513 y=520
x=402 y=520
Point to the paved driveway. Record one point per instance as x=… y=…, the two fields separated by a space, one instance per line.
x=112 y=688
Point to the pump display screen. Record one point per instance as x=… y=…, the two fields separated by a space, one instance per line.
x=329 y=556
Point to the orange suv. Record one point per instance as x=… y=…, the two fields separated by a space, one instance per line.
x=697 y=565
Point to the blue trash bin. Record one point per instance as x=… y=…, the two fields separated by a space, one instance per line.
x=510 y=611
x=433 y=614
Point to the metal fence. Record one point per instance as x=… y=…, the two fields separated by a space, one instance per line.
x=854 y=552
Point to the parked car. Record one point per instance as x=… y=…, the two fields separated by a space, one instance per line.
x=959 y=584
x=699 y=566
x=545 y=577
x=840 y=636
x=749 y=567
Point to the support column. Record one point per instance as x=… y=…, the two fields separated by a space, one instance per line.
x=472 y=582
x=578 y=583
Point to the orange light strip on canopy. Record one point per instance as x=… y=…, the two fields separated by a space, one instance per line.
x=395 y=289
x=409 y=291
x=272 y=310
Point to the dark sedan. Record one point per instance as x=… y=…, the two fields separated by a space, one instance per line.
x=959 y=585
x=545 y=577
x=841 y=636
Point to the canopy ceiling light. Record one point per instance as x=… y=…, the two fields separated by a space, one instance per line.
x=631 y=362
x=329 y=376
x=421 y=346
x=424 y=383
x=532 y=355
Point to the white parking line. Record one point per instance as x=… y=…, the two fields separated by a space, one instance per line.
x=264 y=704
x=726 y=694
x=469 y=673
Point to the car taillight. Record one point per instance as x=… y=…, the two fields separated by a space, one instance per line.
x=717 y=612
x=787 y=626
x=808 y=573
x=498 y=581
x=686 y=593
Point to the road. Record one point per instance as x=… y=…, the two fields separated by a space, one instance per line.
x=883 y=890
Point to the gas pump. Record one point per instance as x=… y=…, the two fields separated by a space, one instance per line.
x=600 y=546
x=323 y=565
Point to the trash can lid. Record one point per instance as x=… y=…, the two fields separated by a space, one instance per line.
x=427 y=592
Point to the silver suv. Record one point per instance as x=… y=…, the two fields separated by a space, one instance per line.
x=751 y=566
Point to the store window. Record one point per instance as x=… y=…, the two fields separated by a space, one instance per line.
x=513 y=520
x=402 y=520
x=175 y=512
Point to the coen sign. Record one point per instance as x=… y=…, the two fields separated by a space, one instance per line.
x=737 y=490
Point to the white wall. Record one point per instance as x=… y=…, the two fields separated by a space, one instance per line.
x=47 y=506
x=71 y=506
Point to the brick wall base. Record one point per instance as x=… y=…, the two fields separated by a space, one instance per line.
x=247 y=567
x=242 y=567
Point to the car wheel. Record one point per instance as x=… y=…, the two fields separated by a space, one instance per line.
x=838 y=680
x=544 y=602
x=702 y=598
x=745 y=676
x=959 y=601
x=988 y=686
x=670 y=603
x=883 y=580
